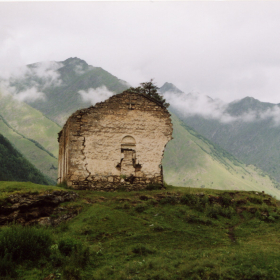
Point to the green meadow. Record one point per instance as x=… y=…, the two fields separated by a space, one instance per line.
x=176 y=233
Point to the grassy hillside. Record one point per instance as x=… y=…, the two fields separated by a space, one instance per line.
x=32 y=151
x=253 y=142
x=180 y=233
x=14 y=167
x=30 y=122
x=191 y=160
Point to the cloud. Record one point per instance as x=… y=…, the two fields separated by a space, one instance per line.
x=273 y=114
x=29 y=95
x=226 y=49
x=47 y=72
x=192 y=104
x=196 y=104
x=95 y=95
x=6 y=89
x=126 y=84
x=39 y=76
x=10 y=57
x=79 y=70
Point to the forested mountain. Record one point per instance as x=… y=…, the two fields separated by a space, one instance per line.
x=14 y=167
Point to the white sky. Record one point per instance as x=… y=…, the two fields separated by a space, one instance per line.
x=227 y=50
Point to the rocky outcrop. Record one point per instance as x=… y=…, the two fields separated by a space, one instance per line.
x=29 y=209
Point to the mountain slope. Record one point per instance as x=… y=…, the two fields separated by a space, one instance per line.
x=52 y=89
x=30 y=122
x=62 y=97
x=169 y=87
x=191 y=160
x=32 y=151
x=248 y=128
x=14 y=167
x=254 y=142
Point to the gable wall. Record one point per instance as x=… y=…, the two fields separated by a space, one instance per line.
x=95 y=136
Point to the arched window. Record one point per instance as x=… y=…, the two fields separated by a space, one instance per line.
x=128 y=143
x=128 y=165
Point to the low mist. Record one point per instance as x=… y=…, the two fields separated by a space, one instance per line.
x=27 y=83
x=192 y=104
x=95 y=95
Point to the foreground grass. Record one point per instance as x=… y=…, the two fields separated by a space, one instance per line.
x=8 y=188
x=179 y=233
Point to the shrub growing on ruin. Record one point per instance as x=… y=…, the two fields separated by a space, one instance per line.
x=150 y=89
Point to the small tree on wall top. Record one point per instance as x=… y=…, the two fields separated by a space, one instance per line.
x=150 y=89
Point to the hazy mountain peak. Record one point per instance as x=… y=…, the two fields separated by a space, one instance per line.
x=74 y=61
x=169 y=87
x=247 y=104
x=249 y=98
x=246 y=100
x=198 y=96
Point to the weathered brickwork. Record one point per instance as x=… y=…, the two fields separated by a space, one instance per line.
x=118 y=143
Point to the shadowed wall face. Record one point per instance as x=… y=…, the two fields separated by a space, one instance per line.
x=119 y=142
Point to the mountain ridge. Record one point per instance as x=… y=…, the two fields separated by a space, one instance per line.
x=76 y=75
x=207 y=158
x=250 y=132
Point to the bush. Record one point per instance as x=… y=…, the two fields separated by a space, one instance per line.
x=7 y=267
x=169 y=200
x=24 y=243
x=218 y=210
x=154 y=186
x=81 y=256
x=189 y=199
x=71 y=256
x=34 y=246
x=76 y=252
x=226 y=200
x=67 y=245
x=201 y=203
x=140 y=208
x=71 y=272
x=193 y=219
x=255 y=200
x=63 y=185
x=142 y=250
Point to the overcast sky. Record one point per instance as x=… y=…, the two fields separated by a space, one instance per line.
x=227 y=50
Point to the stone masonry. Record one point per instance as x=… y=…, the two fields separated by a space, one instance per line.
x=118 y=143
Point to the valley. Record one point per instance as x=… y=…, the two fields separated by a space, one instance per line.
x=190 y=160
x=216 y=218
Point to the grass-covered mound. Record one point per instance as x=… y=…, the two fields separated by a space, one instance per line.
x=179 y=233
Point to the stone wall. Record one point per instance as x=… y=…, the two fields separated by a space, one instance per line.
x=115 y=144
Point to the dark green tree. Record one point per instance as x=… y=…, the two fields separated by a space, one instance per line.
x=150 y=89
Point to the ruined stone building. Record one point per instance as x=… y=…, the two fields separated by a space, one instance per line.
x=115 y=144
